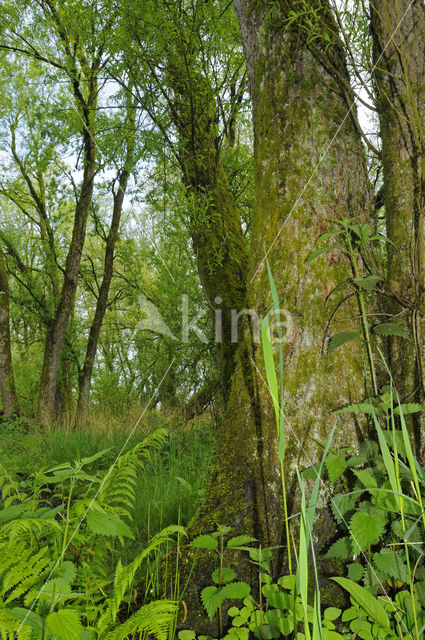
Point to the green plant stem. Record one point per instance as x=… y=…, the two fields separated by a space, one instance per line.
x=68 y=508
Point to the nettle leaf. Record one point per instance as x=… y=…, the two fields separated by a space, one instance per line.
x=236 y=590
x=367 y=478
x=108 y=524
x=355 y=571
x=363 y=407
x=205 y=542
x=65 y=624
x=336 y=465
x=368 y=283
x=391 y=565
x=341 y=549
x=237 y=541
x=341 y=505
x=212 y=599
x=390 y=329
x=227 y=575
x=366 y=529
x=341 y=338
x=318 y=252
x=410 y=407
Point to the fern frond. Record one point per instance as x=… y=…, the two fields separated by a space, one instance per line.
x=154 y=618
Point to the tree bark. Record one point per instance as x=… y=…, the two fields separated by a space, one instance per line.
x=85 y=377
x=309 y=170
x=399 y=63
x=7 y=381
x=56 y=331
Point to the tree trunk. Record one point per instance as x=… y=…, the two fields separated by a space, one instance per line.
x=399 y=59
x=7 y=381
x=102 y=301
x=309 y=170
x=220 y=246
x=56 y=331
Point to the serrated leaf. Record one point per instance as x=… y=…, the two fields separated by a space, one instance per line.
x=366 y=529
x=341 y=505
x=318 y=252
x=238 y=541
x=227 y=575
x=390 y=329
x=335 y=466
x=363 y=407
x=204 y=541
x=212 y=599
x=108 y=524
x=408 y=408
x=368 y=283
x=341 y=338
x=366 y=600
x=236 y=590
x=341 y=549
x=65 y=624
x=366 y=478
x=391 y=565
x=355 y=571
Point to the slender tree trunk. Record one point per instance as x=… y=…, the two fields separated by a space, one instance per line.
x=7 y=381
x=399 y=59
x=56 y=331
x=309 y=170
x=101 y=304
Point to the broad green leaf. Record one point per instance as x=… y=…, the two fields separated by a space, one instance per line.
x=212 y=599
x=391 y=565
x=29 y=619
x=236 y=590
x=355 y=571
x=366 y=600
x=11 y=513
x=94 y=457
x=108 y=524
x=238 y=541
x=204 y=542
x=227 y=575
x=368 y=283
x=332 y=613
x=408 y=408
x=366 y=529
x=366 y=478
x=341 y=338
x=65 y=624
x=341 y=549
x=186 y=634
x=390 y=329
x=335 y=465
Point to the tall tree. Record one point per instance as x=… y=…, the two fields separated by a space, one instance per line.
x=310 y=172
x=399 y=73
x=7 y=381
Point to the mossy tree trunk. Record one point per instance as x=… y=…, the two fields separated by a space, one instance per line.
x=399 y=59
x=7 y=381
x=310 y=171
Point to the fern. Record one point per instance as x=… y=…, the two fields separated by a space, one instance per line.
x=154 y=618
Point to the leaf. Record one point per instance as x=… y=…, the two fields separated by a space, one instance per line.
x=28 y=618
x=341 y=549
x=212 y=599
x=238 y=541
x=186 y=634
x=410 y=407
x=368 y=283
x=227 y=575
x=269 y=365
x=317 y=252
x=341 y=338
x=366 y=529
x=366 y=478
x=390 y=329
x=236 y=590
x=107 y=524
x=332 y=613
x=11 y=513
x=204 y=542
x=363 y=407
x=366 y=600
x=355 y=571
x=335 y=465
x=391 y=565
x=65 y=624
x=342 y=504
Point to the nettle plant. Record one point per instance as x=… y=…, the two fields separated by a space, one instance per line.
x=60 y=535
